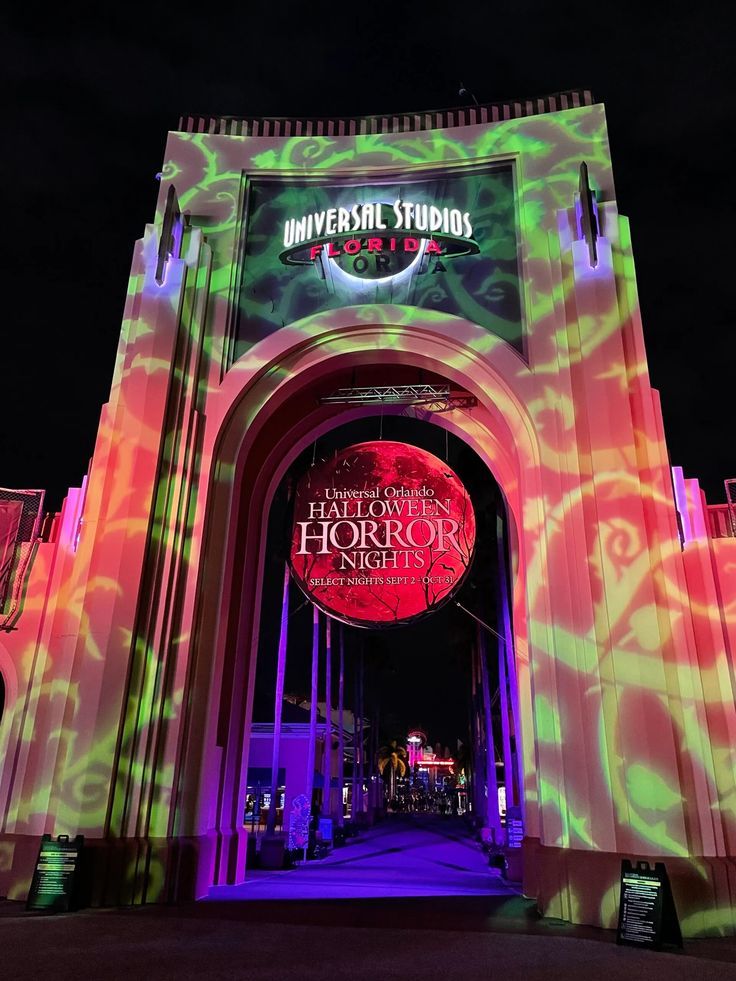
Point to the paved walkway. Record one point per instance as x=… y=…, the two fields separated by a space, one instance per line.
x=422 y=904
x=399 y=942
x=404 y=855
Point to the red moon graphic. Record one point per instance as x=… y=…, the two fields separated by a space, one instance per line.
x=383 y=533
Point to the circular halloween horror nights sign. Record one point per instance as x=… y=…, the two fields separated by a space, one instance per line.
x=383 y=533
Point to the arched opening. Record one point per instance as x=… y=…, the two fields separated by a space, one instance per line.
x=357 y=765
x=266 y=419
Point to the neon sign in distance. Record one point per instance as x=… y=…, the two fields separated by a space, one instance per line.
x=383 y=533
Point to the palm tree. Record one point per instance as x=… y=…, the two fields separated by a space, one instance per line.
x=463 y=765
x=393 y=757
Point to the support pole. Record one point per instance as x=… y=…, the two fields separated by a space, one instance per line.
x=361 y=772
x=313 y=696
x=508 y=760
x=475 y=790
x=375 y=783
x=503 y=584
x=356 y=738
x=327 y=756
x=341 y=729
x=278 y=705
x=470 y=775
x=493 y=816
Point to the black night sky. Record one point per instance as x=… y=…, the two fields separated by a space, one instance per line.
x=88 y=102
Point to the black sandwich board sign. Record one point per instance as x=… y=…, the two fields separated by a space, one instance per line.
x=514 y=827
x=646 y=915
x=52 y=886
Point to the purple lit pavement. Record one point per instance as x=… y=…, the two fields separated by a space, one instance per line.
x=412 y=855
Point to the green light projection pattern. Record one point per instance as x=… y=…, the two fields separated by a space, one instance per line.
x=623 y=643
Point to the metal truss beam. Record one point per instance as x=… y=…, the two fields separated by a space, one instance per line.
x=433 y=398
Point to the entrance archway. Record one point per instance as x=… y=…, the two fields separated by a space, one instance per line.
x=268 y=414
x=427 y=671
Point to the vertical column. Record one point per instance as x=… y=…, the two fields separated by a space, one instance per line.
x=341 y=730
x=361 y=710
x=493 y=817
x=513 y=777
x=313 y=696
x=327 y=757
x=278 y=706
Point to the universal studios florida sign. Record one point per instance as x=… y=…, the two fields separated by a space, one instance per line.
x=370 y=233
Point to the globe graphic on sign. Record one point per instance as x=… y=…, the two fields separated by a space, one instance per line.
x=384 y=264
x=383 y=533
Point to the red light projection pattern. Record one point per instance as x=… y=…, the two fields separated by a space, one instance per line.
x=127 y=667
x=383 y=533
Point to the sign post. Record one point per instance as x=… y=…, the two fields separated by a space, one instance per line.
x=647 y=916
x=54 y=877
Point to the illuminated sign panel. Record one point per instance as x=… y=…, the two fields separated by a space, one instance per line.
x=377 y=228
x=383 y=533
x=446 y=243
